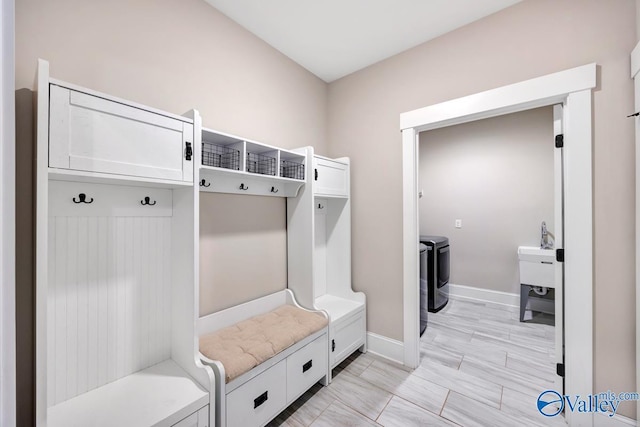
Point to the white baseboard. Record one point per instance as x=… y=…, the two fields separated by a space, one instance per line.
x=385 y=347
x=600 y=420
x=485 y=295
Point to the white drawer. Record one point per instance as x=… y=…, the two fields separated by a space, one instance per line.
x=306 y=366
x=348 y=335
x=258 y=400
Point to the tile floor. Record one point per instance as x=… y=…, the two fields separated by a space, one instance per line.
x=480 y=367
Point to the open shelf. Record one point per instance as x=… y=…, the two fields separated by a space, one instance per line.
x=162 y=394
x=231 y=164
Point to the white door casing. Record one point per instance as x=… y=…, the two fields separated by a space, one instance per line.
x=558 y=207
x=7 y=218
x=635 y=69
x=571 y=88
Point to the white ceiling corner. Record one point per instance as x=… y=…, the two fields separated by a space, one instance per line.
x=333 y=38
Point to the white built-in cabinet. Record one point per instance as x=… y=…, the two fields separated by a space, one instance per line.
x=319 y=253
x=236 y=165
x=116 y=263
x=117 y=256
x=331 y=177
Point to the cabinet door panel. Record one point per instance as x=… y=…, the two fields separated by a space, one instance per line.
x=332 y=178
x=93 y=134
x=348 y=335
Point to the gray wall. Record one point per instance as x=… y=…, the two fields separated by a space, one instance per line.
x=527 y=40
x=243 y=250
x=496 y=175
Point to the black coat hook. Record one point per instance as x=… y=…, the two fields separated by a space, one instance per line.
x=320 y=206
x=274 y=190
x=82 y=198
x=203 y=183
x=146 y=201
x=243 y=187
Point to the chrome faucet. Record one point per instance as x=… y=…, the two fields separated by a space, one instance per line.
x=545 y=243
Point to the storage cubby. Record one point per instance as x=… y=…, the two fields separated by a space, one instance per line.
x=263 y=170
x=319 y=255
x=261 y=159
x=291 y=165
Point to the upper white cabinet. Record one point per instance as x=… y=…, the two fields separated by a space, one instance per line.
x=331 y=177
x=95 y=134
x=231 y=164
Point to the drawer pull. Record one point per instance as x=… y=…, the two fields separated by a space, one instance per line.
x=333 y=345
x=307 y=366
x=260 y=399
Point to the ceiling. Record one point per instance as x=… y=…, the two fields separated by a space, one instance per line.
x=333 y=38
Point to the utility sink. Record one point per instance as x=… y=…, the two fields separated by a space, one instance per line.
x=537 y=266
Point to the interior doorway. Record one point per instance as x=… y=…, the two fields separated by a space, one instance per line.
x=492 y=189
x=572 y=89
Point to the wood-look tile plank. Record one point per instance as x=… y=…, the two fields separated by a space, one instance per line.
x=524 y=406
x=406 y=385
x=400 y=413
x=359 y=394
x=284 y=419
x=428 y=335
x=461 y=382
x=470 y=323
x=440 y=354
x=356 y=363
x=544 y=369
x=501 y=375
x=450 y=332
x=478 y=348
x=509 y=346
x=310 y=405
x=468 y=412
x=338 y=414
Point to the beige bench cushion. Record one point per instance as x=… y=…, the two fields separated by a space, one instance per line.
x=247 y=344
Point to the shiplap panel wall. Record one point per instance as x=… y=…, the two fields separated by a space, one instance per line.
x=109 y=309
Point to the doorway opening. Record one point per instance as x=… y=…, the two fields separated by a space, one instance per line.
x=485 y=190
x=572 y=89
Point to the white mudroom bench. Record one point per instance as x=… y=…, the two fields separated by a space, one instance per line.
x=265 y=354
